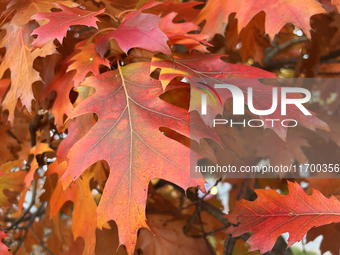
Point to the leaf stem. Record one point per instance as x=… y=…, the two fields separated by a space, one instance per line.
x=130 y=10
x=100 y=31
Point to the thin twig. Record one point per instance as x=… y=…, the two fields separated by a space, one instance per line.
x=242 y=189
x=271 y=52
x=25 y=228
x=287 y=61
x=211 y=251
x=99 y=32
x=22 y=239
x=229 y=245
x=33 y=127
x=191 y=221
x=120 y=14
x=40 y=241
x=209 y=191
x=211 y=232
x=22 y=217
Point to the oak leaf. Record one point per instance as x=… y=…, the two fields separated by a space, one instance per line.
x=78 y=126
x=19 y=59
x=262 y=99
x=25 y=9
x=211 y=69
x=62 y=84
x=74 y=70
x=59 y=22
x=137 y=30
x=178 y=33
x=197 y=65
x=84 y=220
x=273 y=214
x=278 y=13
x=251 y=39
x=85 y=59
x=127 y=136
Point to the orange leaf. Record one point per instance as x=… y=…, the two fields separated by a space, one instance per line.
x=25 y=9
x=84 y=214
x=12 y=181
x=278 y=13
x=19 y=59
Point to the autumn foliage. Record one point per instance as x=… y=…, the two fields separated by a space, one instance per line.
x=98 y=127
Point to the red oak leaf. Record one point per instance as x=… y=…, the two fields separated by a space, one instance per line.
x=198 y=65
x=178 y=33
x=137 y=30
x=62 y=83
x=128 y=138
x=262 y=100
x=59 y=22
x=85 y=59
x=273 y=214
x=211 y=69
x=78 y=126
